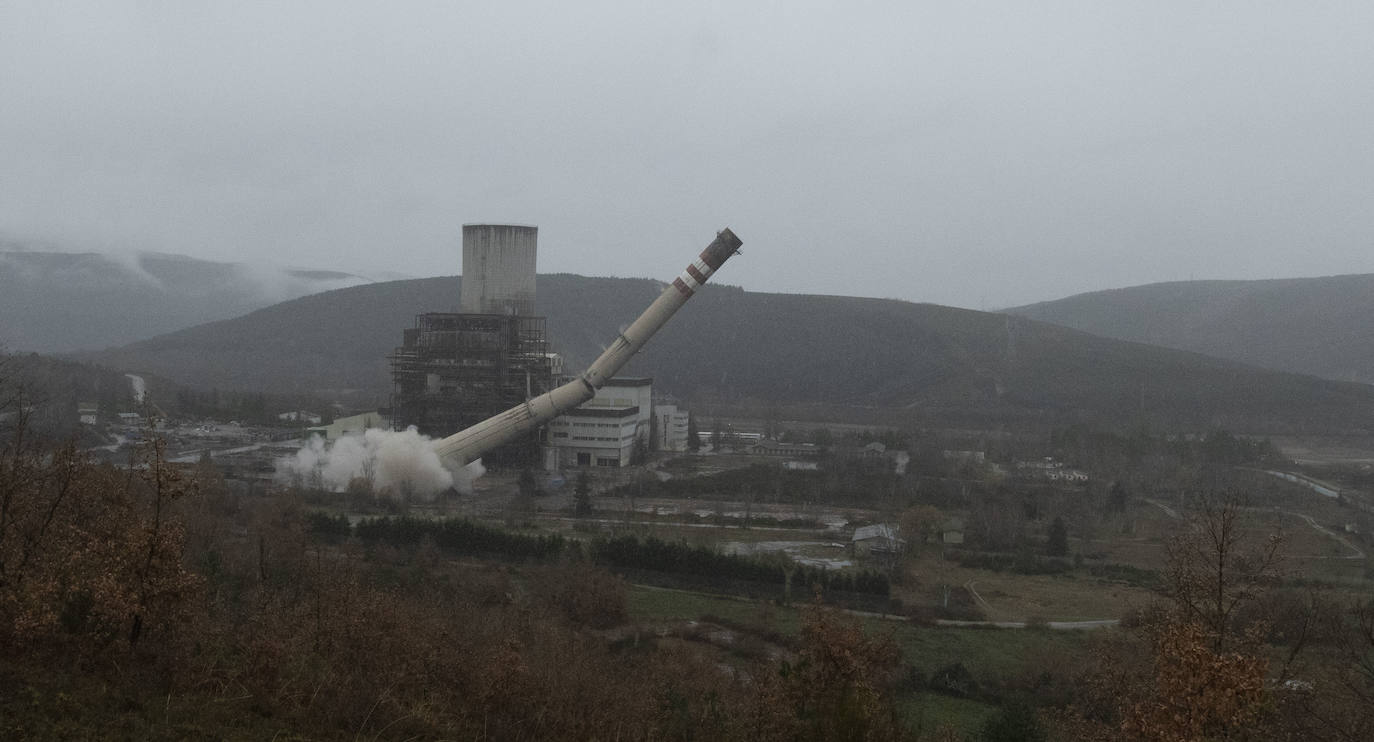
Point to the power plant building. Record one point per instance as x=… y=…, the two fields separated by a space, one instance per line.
x=605 y=430
x=454 y=370
x=670 y=427
x=498 y=269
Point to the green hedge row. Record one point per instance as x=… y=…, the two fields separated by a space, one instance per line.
x=680 y=558
x=462 y=536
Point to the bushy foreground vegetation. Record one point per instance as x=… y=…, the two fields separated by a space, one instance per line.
x=211 y=617
x=145 y=602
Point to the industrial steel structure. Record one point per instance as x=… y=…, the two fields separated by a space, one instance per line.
x=453 y=370
x=473 y=443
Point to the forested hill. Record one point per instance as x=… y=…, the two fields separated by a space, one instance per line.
x=1318 y=326
x=54 y=302
x=733 y=345
x=52 y=389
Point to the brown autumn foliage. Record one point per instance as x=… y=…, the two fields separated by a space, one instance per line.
x=224 y=611
x=1192 y=672
x=586 y=597
x=841 y=683
x=90 y=555
x=1198 y=692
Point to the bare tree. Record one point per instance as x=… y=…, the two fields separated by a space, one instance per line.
x=1216 y=567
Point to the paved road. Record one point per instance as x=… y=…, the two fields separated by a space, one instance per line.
x=1102 y=623
x=1322 y=488
x=1057 y=625
x=1167 y=510
x=1355 y=551
x=976 y=597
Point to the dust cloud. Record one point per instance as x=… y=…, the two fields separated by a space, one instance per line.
x=399 y=464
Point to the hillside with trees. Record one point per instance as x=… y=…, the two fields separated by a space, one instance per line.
x=1317 y=326
x=742 y=347
x=52 y=302
x=51 y=389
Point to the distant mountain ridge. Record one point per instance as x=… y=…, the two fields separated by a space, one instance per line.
x=734 y=346
x=67 y=301
x=1320 y=326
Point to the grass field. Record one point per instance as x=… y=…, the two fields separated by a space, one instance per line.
x=1069 y=597
x=928 y=713
x=990 y=654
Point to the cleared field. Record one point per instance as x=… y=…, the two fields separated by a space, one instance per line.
x=1071 y=597
x=991 y=655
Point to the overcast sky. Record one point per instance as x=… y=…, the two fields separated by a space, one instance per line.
x=974 y=154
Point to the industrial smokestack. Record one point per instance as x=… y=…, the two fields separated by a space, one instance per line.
x=468 y=445
x=498 y=269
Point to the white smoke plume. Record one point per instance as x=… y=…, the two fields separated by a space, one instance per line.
x=398 y=464
x=276 y=283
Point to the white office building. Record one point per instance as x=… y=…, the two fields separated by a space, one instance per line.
x=603 y=431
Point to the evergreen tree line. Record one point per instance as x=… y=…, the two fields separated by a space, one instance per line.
x=462 y=536
x=454 y=535
x=680 y=558
x=853 y=481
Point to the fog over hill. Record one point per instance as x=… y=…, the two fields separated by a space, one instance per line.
x=52 y=302
x=731 y=345
x=1319 y=326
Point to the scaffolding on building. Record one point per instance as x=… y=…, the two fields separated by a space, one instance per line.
x=455 y=370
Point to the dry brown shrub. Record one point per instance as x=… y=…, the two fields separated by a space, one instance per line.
x=1198 y=692
x=90 y=556
x=584 y=594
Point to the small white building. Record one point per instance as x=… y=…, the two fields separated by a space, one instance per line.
x=880 y=538
x=300 y=416
x=1066 y=475
x=603 y=431
x=952 y=531
x=88 y=413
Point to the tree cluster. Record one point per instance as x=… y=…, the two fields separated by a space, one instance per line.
x=680 y=558
x=458 y=536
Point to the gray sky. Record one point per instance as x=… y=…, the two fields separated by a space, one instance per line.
x=965 y=153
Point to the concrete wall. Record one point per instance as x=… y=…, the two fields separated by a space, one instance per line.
x=672 y=427
x=627 y=392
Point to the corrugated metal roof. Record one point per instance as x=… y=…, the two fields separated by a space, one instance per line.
x=878 y=530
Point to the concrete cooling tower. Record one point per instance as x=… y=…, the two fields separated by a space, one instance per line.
x=498 y=269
